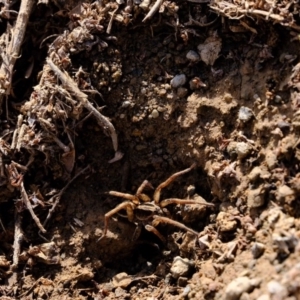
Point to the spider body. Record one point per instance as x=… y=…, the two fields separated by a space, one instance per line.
x=143 y=210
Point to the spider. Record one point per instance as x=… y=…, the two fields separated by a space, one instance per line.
x=144 y=210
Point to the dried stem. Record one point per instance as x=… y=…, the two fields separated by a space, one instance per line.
x=58 y=196
x=109 y=27
x=153 y=10
x=16 y=132
x=13 y=49
x=29 y=207
x=18 y=238
x=232 y=11
x=71 y=86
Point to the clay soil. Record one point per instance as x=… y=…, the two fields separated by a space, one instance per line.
x=235 y=117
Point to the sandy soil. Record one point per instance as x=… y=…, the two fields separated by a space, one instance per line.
x=235 y=115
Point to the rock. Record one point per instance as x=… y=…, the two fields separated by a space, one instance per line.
x=155 y=113
x=178 y=80
x=225 y=222
x=258 y=249
x=181 y=267
x=210 y=49
x=243 y=149
x=245 y=114
x=284 y=125
x=237 y=287
x=182 y=92
x=277 y=99
x=126 y=104
x=275 y=288
x=228 y=97
x=121 y=280
x=193 y=56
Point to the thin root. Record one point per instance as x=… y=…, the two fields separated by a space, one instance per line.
x=58 y=196
x=29 y=207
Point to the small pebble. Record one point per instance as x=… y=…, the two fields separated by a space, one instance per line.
x=228 y=97
x=161 y=109
x=182 y=92
x=237 y=287
x=162 y=92
x=242 y=149
x=121 y=280
x=245 y=114
x=181 y=267
x=126 y=104
x=225 y=222
x=257 y=249
x=283 y=125
x=155 y=113
x=178 y=80
x=275 y=288
x=193 y=56
x=277 y=99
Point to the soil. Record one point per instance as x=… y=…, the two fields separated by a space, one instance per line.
x=235 y=116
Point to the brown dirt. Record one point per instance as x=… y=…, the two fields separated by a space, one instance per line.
x=255 y=192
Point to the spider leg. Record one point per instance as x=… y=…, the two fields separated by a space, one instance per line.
x=129 y=206
x=152 y=229
x=156 y=196
x=159 y=219
x=130 y=197
x=167 y=202
x=139 y=191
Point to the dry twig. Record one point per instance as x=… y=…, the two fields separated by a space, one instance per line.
x=57 y=196
x=29 y=207
x=13 y=49
x=71 y=86
x=18 y=238
x=153 y=10
x=233 y=11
